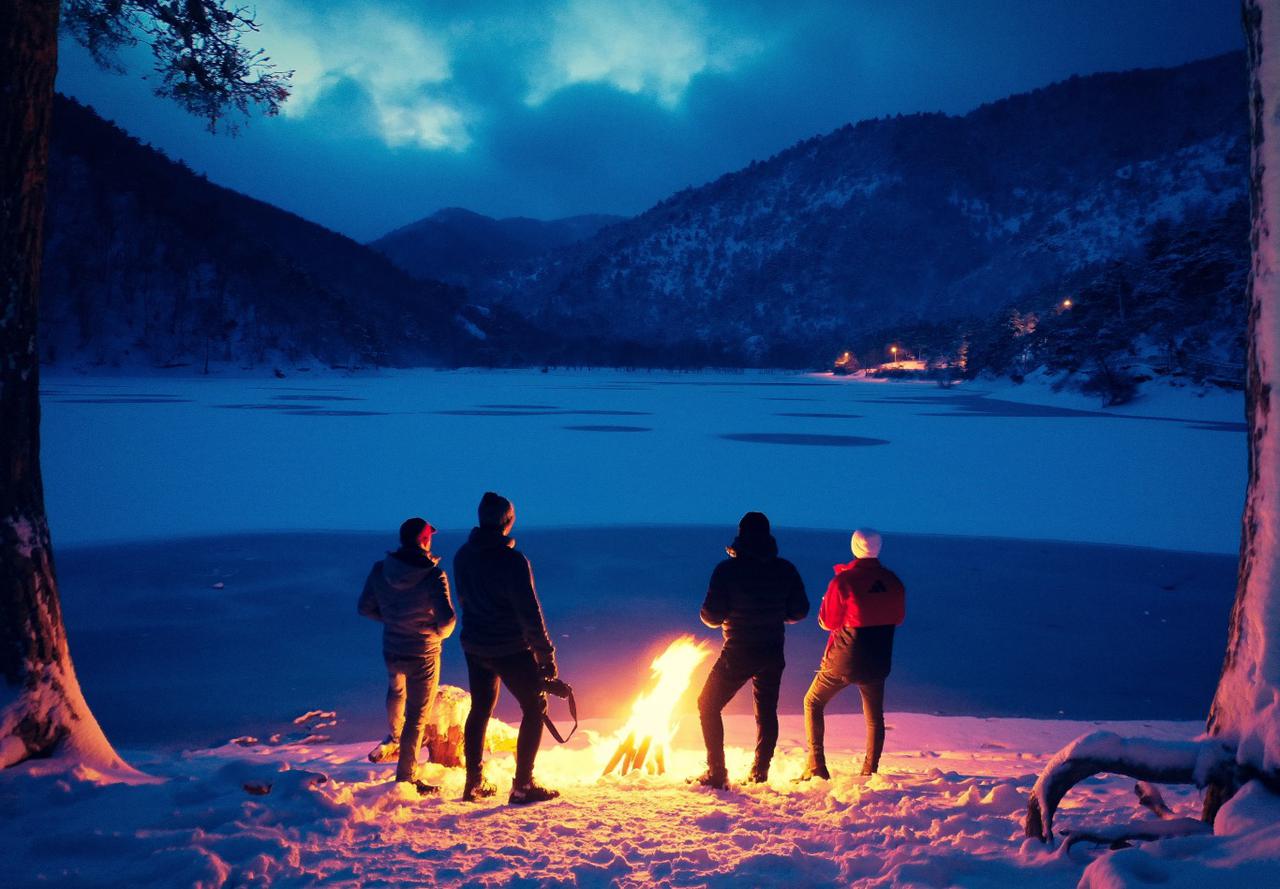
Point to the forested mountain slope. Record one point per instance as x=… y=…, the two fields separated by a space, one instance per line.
x=911 y=218
x=148 y=263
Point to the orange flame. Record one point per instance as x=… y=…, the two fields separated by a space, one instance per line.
x=643 y=741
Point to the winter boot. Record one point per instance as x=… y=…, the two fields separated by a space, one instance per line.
x=815 y=770
x=423 y=788
x=715 y=778
x=759 y=773
x=386 y=751
x=477 y=788
x=530 y=793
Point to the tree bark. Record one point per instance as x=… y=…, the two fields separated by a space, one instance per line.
x=42 y=710
x=1246 y=706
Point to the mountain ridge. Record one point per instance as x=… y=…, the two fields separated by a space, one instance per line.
x=149 y=263
x=460 y=246
x=906 y=217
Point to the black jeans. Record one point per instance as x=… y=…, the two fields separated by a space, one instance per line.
x=729 y=674
x=825 y=687
x=519 y=673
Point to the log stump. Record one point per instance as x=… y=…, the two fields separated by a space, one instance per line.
x=442 y=740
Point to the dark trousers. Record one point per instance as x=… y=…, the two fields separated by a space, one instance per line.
x=825 y=687
x=519 y=673
x=411 y=689
x=729 y=674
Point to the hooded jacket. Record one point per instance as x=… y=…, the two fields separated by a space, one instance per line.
x=753 y=594
x=864 y=603
x=501 y=614
x=408 y=592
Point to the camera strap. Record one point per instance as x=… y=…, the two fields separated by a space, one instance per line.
x=573 y=712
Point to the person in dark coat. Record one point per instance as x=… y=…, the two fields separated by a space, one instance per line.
x=864 y=604
x=504 y=638
x=408 y=592
x=752 y=595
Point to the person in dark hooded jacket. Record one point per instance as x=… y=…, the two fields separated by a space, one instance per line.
x=505 y=640
x=408 y=592
x=865 y=602
x=752 y=595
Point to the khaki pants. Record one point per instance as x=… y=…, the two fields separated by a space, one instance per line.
x=411 y=690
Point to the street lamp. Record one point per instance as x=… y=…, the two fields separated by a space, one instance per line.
x=894 y=350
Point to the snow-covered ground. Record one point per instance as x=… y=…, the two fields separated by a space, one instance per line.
x=158 y=458
x=947 y=811
x=187 y=628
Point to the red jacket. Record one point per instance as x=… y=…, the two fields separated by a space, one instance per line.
x=863 y=593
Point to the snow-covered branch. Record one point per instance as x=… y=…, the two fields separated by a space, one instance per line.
x=1162 y=762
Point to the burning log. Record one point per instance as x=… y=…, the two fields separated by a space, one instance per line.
x=643 y=740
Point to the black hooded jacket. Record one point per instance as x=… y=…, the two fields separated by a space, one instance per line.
x=500 y=610
x=753 y=594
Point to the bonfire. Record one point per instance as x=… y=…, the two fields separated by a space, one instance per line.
x=643 y=741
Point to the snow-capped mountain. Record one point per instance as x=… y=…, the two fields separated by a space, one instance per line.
x=926 y=216
x=462 y=247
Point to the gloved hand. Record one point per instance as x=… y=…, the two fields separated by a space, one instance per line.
x=557 y=687
x=547 y=668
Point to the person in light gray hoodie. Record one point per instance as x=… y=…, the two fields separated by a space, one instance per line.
x=408 y=593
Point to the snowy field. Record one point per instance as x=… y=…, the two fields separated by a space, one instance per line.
x=1063 y=562
x=946 y=812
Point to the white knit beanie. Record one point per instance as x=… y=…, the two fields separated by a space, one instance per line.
x=865 y=544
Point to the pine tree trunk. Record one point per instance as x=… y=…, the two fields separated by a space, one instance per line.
x=42 y=711
x=1246 y=705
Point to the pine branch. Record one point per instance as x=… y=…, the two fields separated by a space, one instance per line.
x=198 y=49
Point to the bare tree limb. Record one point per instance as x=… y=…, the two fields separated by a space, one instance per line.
x=1118 y=835
x=1162 y=762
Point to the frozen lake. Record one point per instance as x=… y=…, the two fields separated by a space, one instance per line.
x=627 y=487
x=130 y=459
x=994 y=627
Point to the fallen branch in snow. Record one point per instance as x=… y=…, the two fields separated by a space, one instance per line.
x=1118 y=834
x=1163 y=762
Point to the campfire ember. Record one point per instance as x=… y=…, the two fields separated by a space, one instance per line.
x=642 y=742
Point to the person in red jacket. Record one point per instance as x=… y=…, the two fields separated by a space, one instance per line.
x=865 y=602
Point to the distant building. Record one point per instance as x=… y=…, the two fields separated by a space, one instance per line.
x=844 y=365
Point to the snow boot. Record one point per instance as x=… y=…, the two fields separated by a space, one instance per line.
x=388 y=750
x=759 y=774
x=716 y=779
x=477 y=788
x=530 y=793
x=423 y=788
x=815 y=770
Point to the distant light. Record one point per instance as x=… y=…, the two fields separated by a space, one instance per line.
x=1066 y=303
